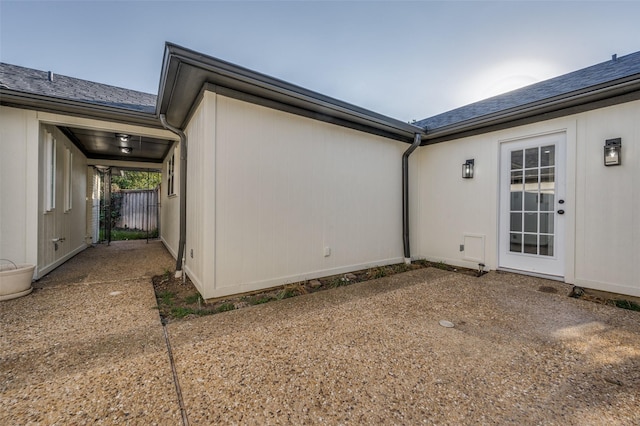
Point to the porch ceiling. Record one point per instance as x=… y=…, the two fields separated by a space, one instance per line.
x=103 y=145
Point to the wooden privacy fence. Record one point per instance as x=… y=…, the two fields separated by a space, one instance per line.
x=138 y=209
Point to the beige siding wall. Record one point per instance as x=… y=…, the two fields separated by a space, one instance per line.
x=276 y=190
x=608 y=201
x=602 y=204
x=25 y=229
x=445 y=207
x=18 y=185
x=200 y=248
x=60 y=223
x=170 y=205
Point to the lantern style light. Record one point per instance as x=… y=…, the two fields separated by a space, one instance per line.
x=612 y=152
x=467 y=169
x=123 y=137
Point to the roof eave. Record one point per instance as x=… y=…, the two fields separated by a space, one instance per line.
x=225 y=74
x=33 y=101
x=565 y=104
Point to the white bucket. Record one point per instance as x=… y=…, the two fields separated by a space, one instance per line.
x=15 y=280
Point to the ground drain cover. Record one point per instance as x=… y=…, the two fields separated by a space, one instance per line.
x=446 y=323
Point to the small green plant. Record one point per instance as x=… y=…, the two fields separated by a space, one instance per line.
x=181 y=312
x=291 y=290
x=166 y=297
x=378 y=272
x=399 y=268
x=225 y=307
x=627 y=304
x=259 y=300
x=338 y=282
x=166 y=274
x=194 y=298
x=441 y=265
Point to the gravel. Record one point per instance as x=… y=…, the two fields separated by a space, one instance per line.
x=375 y=352
x=87 y=347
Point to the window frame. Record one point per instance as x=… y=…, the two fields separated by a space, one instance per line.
x=68 y=179
x=50 y=172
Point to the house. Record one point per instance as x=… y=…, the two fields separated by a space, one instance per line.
x=266 y=183
x=543 y=199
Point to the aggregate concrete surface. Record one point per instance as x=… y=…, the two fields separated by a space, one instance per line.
x=73 y=352
x=87 y=347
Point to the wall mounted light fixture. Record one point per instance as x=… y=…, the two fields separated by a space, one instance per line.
x=467 y=169
x=613 y=152
x=126 y=149
x=123 y=137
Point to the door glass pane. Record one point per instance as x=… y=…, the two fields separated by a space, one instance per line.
x=515 y=242
x=516 y=160
x=546 y=223
x=546 y=245
x=531 y=190
x=531 y=243
x=516 y=201
x=516 y=179
x=546 y=202
x=531 y=177
x=548 y=156
x=516 y=222
x=531 y=201
x=531 y=222
x=531 y=157
x=547 y=175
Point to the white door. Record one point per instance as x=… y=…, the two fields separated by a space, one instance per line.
x=532 y=205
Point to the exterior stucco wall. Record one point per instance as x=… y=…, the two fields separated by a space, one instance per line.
x=18 y=185
x=285 y=198
x=602 y=231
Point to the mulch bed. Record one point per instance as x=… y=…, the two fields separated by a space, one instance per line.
x=180 y=300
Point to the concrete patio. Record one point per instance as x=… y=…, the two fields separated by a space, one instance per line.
x=87 y=346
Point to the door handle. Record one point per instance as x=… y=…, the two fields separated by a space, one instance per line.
x=560 y=211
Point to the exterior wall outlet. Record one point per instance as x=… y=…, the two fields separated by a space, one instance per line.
x=191 y=253
x=461 y=247
x=327 y=251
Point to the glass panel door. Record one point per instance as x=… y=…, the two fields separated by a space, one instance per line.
x=532 y=189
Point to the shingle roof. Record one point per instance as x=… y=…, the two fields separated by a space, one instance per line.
x=581 y=80
x=31 y=81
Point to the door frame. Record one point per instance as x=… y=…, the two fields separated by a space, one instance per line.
x=565 y=249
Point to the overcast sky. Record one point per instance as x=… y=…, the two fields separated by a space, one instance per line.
x=408 y=60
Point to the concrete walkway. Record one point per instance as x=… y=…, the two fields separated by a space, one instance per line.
x=87 y=347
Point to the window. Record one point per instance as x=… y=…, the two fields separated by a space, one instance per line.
x=50 y=172
x=532 y=200
x=170 y=174
x=68 y=179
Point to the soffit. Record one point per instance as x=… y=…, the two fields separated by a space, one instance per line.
x=185 y=73
x=105 y=145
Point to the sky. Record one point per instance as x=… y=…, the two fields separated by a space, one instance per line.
x=407 y=60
